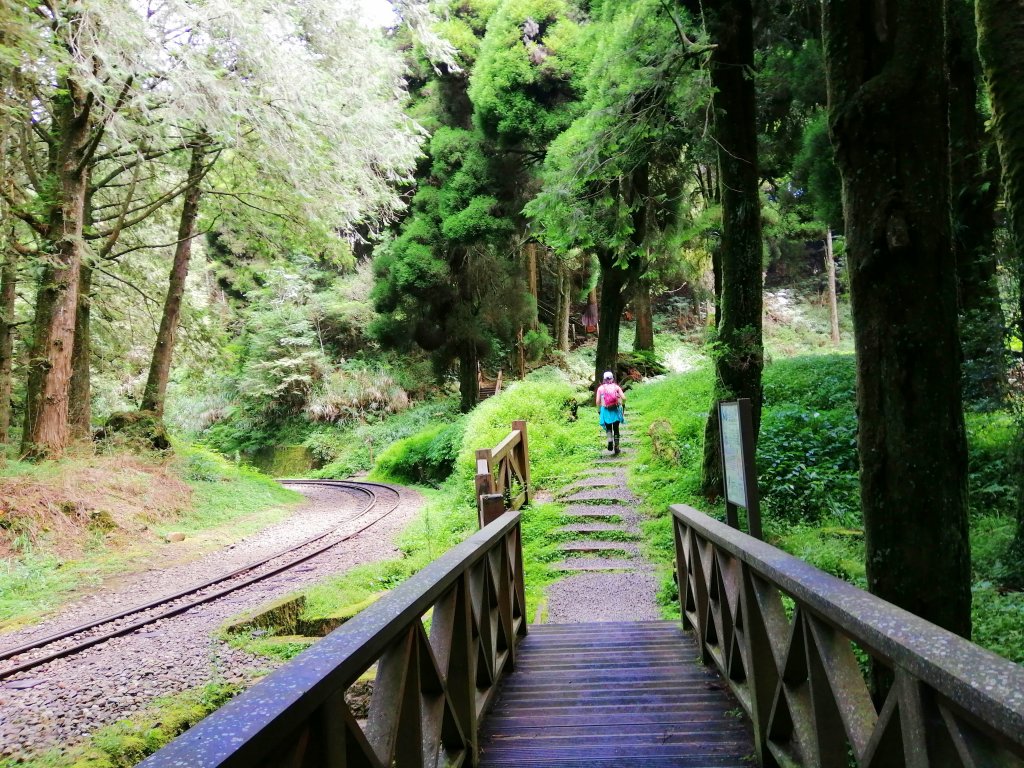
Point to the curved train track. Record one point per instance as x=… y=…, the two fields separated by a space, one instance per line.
x=96 y=631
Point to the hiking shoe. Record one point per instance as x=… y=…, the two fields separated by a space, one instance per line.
x=610 y=445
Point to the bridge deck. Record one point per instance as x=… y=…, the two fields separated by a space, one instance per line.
x=613 y=694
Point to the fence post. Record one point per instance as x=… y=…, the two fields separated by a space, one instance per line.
x=524 y=457
x=484 y=480
x=492 y=506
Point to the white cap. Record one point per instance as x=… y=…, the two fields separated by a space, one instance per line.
x=608 y=376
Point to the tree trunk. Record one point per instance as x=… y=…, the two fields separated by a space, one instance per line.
x=469 y=384
x=888 y=112
x=741 y=354
x=975 y=187
x=80 y=390
x=1000 y=25
x=833 y=302
x=160 y=367
x=644 y=339
x=564 y=306
x=8 y=284
x=46 y=431
x=532 y=281
x=614 y=280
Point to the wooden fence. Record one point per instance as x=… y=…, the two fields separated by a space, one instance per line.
x=503 y=475
x=439 y=644
x=790 y=641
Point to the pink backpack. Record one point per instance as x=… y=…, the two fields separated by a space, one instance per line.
x=610 y=394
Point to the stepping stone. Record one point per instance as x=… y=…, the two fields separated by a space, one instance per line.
x=597 y=564
x=609 y=495
x=603 y=472
x=599 y=510
x=599 y=482
x=587 y=547
x=585 y=528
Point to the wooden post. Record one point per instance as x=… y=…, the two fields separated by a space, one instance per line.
x=492 y=506
x=484 y=479
x=524 y=457
x=830 y=267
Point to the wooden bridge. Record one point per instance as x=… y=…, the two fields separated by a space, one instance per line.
x=768 y=671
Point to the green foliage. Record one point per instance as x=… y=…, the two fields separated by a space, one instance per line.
x=536 y=344
x=523 y=86
x=428 y=457
x=807 y=465
x=812 y=382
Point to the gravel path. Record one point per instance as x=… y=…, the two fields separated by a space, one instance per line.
x=65 y=700
x=607 y=579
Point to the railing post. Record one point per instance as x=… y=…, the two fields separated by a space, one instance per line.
x=524 y=457
x=484 y=480
x=492 y=506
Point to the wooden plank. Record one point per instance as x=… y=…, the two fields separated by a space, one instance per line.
x=613 y=694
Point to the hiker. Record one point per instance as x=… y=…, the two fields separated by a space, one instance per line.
x=611 y=400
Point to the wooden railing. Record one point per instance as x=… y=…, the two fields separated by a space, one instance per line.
x=786 y=637
x=440 y=643
x=503 y=471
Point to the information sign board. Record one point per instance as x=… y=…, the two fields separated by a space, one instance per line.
x=732 y=454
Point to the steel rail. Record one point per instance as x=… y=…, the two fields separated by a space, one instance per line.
x=366 y=488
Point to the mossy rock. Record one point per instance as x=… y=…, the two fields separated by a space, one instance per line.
x=144 y=428
x=321 y=626
x=280 y=617
x=663 y=441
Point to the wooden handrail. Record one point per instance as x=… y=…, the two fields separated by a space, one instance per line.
x=430 y=689
x=504 y=470
x=798 y=676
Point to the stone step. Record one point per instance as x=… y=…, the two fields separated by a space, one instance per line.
x=578 y=564
x=584 y=528
x=594 y=546
x=599 y=510
x=611 y=495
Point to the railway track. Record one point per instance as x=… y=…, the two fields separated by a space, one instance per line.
x=381 y=501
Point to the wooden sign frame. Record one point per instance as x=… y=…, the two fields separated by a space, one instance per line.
x=739 y=473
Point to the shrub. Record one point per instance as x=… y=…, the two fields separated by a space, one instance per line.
x=814 y=382
x=536 y=344
x=807 y=464
x=426 y=457
x=352 y=394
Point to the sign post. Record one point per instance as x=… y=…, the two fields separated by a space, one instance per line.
x=736 y=427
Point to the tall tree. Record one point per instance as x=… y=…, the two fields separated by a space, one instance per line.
x=740 y=356
x=1000 y=25
x=888 y=111
x=975 y=189
x=160 y=366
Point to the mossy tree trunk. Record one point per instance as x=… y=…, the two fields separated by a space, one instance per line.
x=46 y=429
x=8 y=286
x=469 y=383
x=888 y=112
x=740 y=355
x=643 y=341
x=155 y=393
x=975 y=185
x=564 y=306
x=80 y=389
x=619 y=273
x=1000 y=25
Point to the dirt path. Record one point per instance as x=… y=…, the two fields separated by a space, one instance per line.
x=607 y=576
